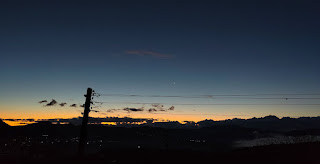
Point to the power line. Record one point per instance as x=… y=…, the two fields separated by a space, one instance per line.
x=202 y=114
x=239 y=96
x=258 y=94
x=197 y=114
x=284 y=98
x=192 y=104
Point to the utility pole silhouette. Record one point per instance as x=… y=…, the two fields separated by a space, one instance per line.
x=83 y=132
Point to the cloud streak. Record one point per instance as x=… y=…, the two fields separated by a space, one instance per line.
x=43 y=101
x=159 y=107
x=154 y=108
x=149 y=53
x=73 y=105
x=133 y=109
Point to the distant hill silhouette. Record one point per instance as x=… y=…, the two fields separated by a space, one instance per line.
x=269 y=123
x=3 y=129
x=3 y=124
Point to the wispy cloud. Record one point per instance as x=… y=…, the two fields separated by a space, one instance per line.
x=149 y=53
x=111 y=110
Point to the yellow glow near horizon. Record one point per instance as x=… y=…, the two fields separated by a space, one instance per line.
x=18 y=123
x=108 y=123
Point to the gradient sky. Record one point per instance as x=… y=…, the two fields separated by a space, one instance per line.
x=56 y=49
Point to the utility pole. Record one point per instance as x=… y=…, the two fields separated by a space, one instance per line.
x=83 y=132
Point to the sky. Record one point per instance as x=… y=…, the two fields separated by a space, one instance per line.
x=57 y=49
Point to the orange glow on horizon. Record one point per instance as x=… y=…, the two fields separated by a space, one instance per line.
x=40 y=113
x=157 y=117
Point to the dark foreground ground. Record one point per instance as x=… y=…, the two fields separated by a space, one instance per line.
x=46 y=143
x=292 y=153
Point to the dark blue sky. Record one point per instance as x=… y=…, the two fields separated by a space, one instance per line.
x=49 y=48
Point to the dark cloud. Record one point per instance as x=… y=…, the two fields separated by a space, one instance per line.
x=157 y=105
x=160 y=108
x=155 y=108
x=82 y=106
x=171 y=108
x=43 y=101
x=124 y=119
x=133 y=109
x=63 y=104
x=152 y=110
x=149 y=53
x=24 y=120
x=52 y=103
